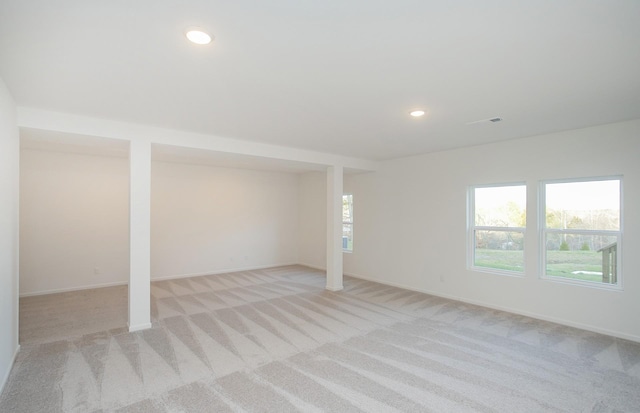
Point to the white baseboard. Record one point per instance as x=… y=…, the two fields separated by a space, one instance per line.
x=168 y=277
x=80 y=288
x=139 y=327
x=223 y=271
x=6 y=376
x=556 y=320
x=315 y=267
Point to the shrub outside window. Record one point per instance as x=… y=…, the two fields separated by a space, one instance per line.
x=497 y=228
x=581 y=231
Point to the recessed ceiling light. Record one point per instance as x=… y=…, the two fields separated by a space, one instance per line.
x=417 y=113
x=197 y=36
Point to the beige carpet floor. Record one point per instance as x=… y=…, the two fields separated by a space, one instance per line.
x=275 y=340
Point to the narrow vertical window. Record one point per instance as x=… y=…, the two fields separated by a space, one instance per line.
x=497 y=227
x=581 y=233
x=347 y=222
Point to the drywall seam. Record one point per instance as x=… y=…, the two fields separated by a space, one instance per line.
x=506 y=309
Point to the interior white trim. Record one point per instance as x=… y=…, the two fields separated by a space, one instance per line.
x=224 y=271
x=80 y=288
x=335 y=288
x=165 y=278
x=82 y=125
x=139 y=327
x=315 y=267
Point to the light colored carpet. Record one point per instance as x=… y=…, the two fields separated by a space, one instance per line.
x=60 y=316
x=276 y=341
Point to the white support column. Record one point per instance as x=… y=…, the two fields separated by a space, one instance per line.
x=139 y=235
x=334 y=228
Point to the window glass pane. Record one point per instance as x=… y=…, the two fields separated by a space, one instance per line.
x=347 y=237
x=593 y=205
x=347 y=222
x=500 y=250
x=347 y=208
x=501 y=206
x=582 y=257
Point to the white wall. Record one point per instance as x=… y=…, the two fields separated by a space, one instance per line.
x=74 y=221
x=207 y=219
x=9 y=175
x=410 y=222
x=312 y=204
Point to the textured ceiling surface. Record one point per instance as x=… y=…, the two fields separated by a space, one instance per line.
x=330 y=76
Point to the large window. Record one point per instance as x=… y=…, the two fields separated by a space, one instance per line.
x=497 y=227
x=581 y=230
x=347 y=222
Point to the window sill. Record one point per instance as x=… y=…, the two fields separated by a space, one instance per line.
x=497 y=272
x=580 y=283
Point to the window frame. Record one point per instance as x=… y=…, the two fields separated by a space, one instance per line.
x=472 y=228
x=543 y=231
x=349 y=223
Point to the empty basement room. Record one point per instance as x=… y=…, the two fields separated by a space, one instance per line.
x=319 y=206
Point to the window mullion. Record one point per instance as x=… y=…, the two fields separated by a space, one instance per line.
x=503 y=229
x=582 y=231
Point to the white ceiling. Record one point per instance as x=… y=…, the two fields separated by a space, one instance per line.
x=330 y=76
